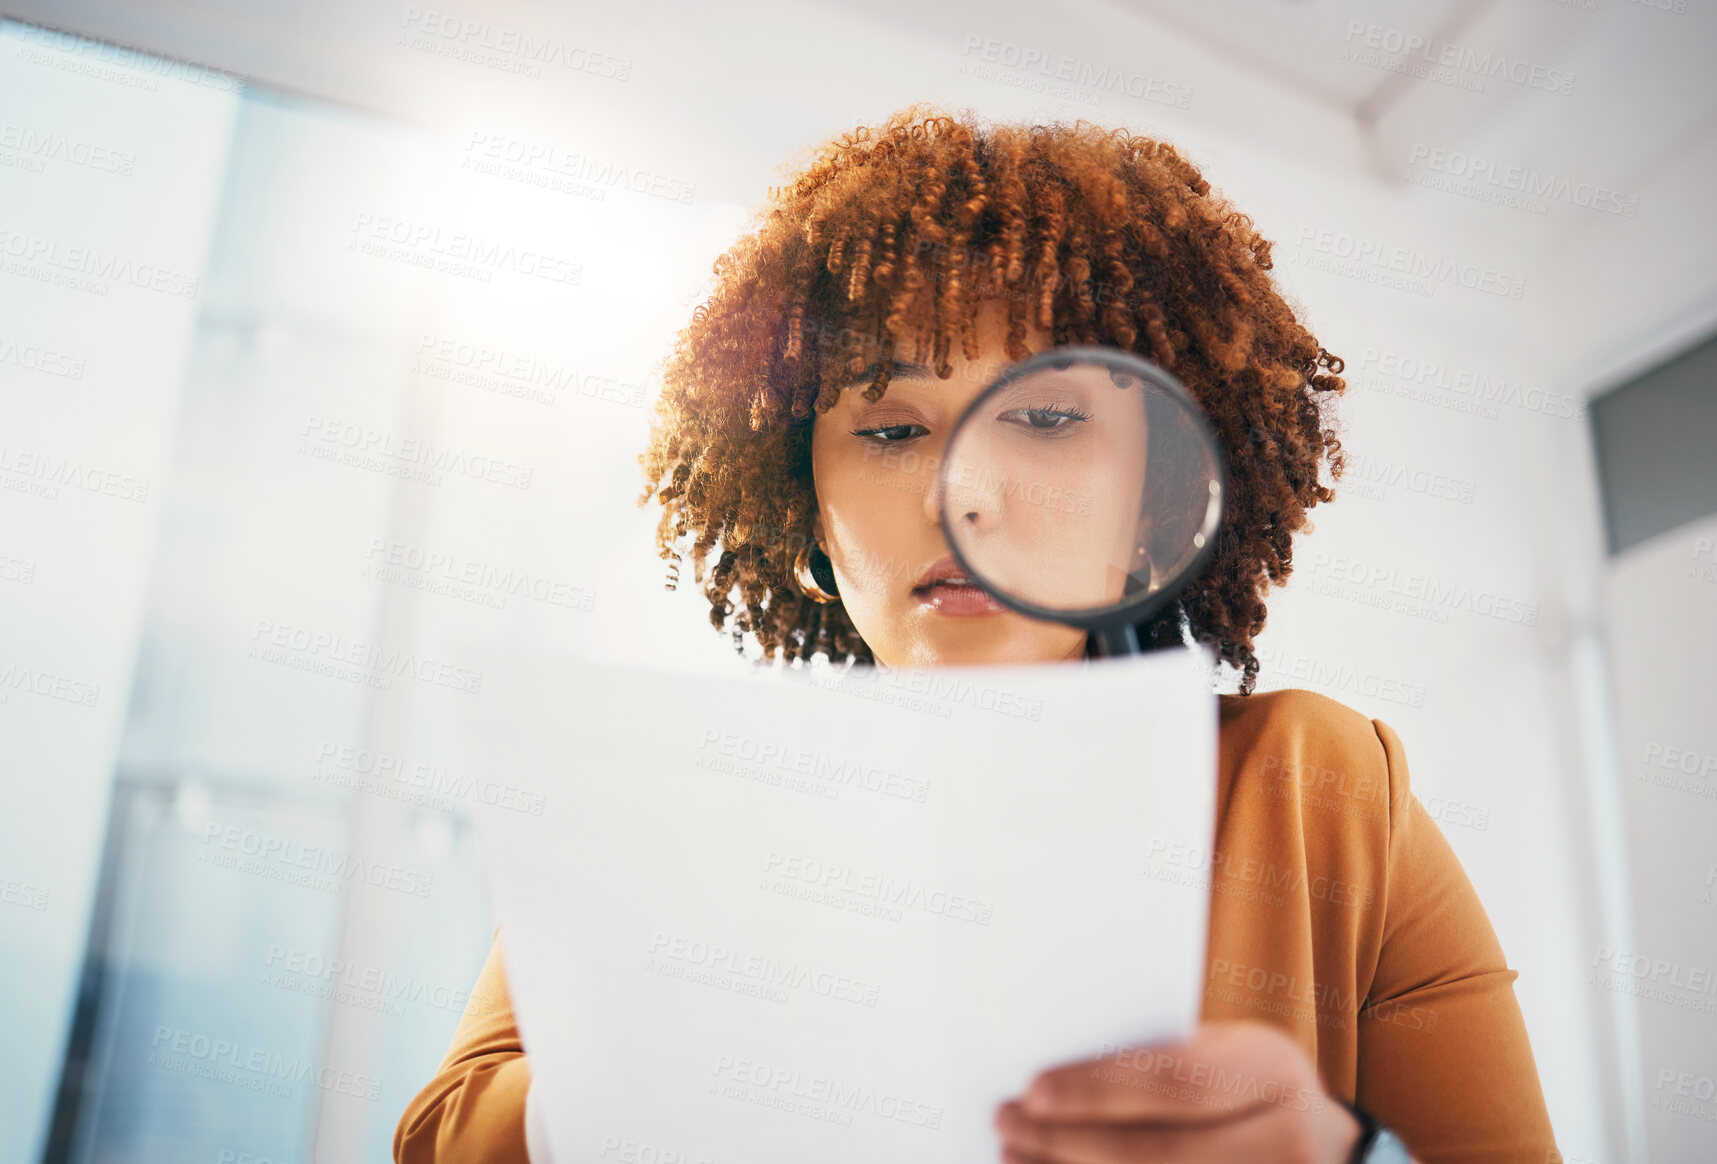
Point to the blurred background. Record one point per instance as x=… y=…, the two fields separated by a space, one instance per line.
x=327 y=337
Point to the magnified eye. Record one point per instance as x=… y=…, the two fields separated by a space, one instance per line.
x=890 y=433
x=1051 y=419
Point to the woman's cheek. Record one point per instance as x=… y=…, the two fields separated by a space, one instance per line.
x=864 y=576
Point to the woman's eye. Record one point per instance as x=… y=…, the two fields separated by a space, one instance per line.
x=1047 y=419
x=891 y=433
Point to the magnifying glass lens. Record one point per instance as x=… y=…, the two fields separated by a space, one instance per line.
x=1082 y=483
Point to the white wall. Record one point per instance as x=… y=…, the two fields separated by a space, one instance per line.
x=1661 y=601
x=103 y=249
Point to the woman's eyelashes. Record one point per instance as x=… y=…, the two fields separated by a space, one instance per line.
x=1056 y=419
x=889 y=434
x=1042 y=419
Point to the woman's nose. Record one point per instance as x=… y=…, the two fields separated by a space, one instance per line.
x=933 y=496
x=972 y=497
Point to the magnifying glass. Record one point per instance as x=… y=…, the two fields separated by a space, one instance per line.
x=1083 y=486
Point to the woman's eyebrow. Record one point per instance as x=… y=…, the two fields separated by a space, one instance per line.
x=903 y=370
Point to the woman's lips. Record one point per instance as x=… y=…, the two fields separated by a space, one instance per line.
x=956 y=598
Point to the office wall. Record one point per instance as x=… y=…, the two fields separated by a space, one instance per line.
x=103 y=238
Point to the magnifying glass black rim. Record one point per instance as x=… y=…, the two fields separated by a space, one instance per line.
x=1128 y=611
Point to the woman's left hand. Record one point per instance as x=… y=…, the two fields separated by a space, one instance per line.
x=1234 y=1090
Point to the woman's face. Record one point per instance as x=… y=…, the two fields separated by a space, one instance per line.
x=876 y=468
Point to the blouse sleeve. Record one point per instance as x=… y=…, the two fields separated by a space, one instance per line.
x=1444 y=1057
x=473 y=1110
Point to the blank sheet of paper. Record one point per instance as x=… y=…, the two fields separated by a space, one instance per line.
x=767 y=919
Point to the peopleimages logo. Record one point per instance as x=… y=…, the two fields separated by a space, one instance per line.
x=844 y=1099
x=1657 y=979
x=364 y=446
x=764 y=969
x=47 y=684
x=374 y=771
x=295 y=969
x=1075 y=71
x=1330 y=677
x=837 y=771
x=452 y=31
x=285 y=859
x=22 y=894
x=506 y=373
x=1523 y=180
x=35 y=358
x=1409 y=263
x=1381 y=46
x=47 y=146
x=1207 y=1083
x=151 y=64
x=1687 y=761
x=1388 y=580
x=539 y=163
x=395 y=561
x=1379 y=473
x=282 y=643
x=43 y=473
x=195 y=1053
x=384 y=236
x=1481 y=387
x=87 y=268
x=877 y=887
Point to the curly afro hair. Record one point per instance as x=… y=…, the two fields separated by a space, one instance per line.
x=900 y=233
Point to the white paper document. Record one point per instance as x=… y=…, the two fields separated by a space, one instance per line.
x=778 y=919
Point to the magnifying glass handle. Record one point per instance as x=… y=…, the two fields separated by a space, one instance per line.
x=1117 y=640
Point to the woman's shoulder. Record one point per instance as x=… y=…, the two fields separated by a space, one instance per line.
x=1305 y=720
x=1300 y=745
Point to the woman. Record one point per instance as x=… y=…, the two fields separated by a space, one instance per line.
x=1349 y=961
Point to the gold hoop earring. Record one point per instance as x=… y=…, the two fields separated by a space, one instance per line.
x=807 y=581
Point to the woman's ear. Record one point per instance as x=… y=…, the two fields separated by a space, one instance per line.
x=817 y=529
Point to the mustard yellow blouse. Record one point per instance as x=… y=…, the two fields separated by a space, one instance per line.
x=1338 y=912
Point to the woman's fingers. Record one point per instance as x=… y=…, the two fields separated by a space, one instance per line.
x=1233 y=1091
x=1222 y=1071
x=1259 y=1136
x=1016 y=1156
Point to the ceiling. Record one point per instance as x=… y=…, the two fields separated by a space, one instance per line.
x=1291 y=40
